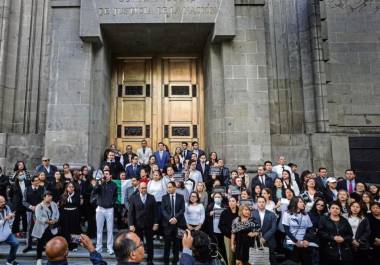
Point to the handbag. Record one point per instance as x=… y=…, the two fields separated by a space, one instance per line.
x=217 y=258
x=258 y=254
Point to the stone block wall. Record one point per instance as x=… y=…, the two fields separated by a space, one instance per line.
x=350 y=31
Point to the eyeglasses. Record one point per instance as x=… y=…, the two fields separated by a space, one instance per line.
x=45 y=160
x=139 y=245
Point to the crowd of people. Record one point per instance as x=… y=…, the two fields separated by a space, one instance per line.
x=310 y=218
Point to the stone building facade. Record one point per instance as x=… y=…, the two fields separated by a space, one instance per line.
x=294 y=77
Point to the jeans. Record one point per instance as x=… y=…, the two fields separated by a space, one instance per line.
x=14 y=243
x=103 y=214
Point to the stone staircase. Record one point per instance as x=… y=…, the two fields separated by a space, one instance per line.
x=77 y=258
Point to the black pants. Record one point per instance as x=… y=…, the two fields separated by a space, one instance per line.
x=170 y=237
x=146 y=234
x=218 y=239
x=41 y=242
x=301 y=255
x=20 y=215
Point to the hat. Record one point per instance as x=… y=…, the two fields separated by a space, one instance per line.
x=331 y=179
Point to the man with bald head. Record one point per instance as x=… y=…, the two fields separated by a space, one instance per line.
x=57 y=250
x=143 y=217
x=129 y=250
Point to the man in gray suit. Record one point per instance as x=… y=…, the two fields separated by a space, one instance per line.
x=268 y=222
x=144 y=153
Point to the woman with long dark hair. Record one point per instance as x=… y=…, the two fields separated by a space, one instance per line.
x=225 y=226
x=57 y=186
x=310 y=194
x=336 y=237
x=70 y=215
x=16 y=193
x=319 y=209
x=296 y=222
x=361 y=231
x=366 y=202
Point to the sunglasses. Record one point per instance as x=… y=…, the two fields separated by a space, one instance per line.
x=139 y=245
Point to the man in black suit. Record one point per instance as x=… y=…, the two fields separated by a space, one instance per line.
x=173 y=210
x=203 y=167
x=349 y=184
x=261 y=179
x=47 y=168
x=268 y=224
x=321 y=179
x=142 y=217
x=133 y=169
x=186 y=154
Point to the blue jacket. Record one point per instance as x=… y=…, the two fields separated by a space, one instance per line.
x=49 y=175
x=269 y=227
x=130 y=173
x=188 y=259
x=163 y=162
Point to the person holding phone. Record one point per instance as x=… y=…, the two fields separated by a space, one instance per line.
x=6 y=235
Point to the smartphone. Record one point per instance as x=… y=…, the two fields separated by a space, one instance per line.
x=180 y=233
x=75 y=239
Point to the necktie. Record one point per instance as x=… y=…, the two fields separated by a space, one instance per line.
x=144 y=151
x=134 y=170
x=172 y=205
x=350 y=188
x=143 y=199
x=263 y=180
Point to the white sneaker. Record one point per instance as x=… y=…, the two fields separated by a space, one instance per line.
x=110 y=252
x=39 y=262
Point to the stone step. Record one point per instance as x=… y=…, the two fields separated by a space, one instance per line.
x=80 y=254
x=75 y=261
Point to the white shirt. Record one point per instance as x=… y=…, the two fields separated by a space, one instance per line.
x=157 y=189
x=354 y=222
x=215 y=221
x=270 y=205
x=195 y=214
x=144 y=157
x=261 y=214
x=196 y=176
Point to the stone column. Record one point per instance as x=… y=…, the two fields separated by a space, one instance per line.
x=70 y=83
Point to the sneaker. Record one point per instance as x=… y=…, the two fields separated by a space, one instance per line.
x=75 y=250
x=39 y=262
x=110 y=252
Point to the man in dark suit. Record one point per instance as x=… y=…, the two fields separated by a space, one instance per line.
x=114 y=166
x=268 y=223
x=203 y=168
x=224 y=171
x=321 y=179
x=133 y=170
x=142 y=217
x=196 y=149
x=186 y=154
x=261 y=179
x=162 y=157
x=349 y=184
x=173 y=210
x=47 y=168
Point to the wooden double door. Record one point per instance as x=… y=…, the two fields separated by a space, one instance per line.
x=157 y=99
